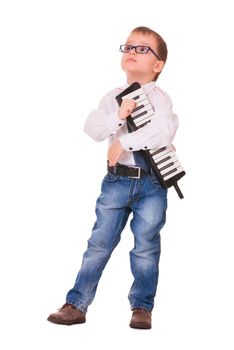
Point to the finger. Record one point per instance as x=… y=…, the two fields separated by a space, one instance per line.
x=133 y=103
x=112 y=161
x=111 y=158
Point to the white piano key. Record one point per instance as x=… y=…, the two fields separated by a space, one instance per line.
x=170 y=160
x=142 y=119
x=158 y=159
x=167 y=170
x=177 y=171
x=143 y=122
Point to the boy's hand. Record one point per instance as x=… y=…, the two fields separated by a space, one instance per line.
x=126 y=108
x=114 y=153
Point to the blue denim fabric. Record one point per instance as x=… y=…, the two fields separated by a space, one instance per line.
x=120 y=196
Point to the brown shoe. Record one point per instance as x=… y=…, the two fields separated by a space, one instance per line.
x=140 y=319
x=68 y=315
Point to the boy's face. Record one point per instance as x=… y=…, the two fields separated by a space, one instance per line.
x=141 y=67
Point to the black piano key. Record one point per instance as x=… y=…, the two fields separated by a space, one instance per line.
x=163 y=160
x=143 y=120
x=139 y=115
x=137 y=108
x=166 y=166
x=169 y=172
x=158 y=151
x=144 y=124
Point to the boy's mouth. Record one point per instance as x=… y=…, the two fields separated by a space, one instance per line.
x=130 y=60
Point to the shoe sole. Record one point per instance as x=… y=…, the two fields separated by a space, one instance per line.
x=140 y=325
x=67 y=323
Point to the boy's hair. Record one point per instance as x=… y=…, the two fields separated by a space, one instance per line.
x=161 y=44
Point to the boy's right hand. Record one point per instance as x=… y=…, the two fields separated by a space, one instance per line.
x=126 y=108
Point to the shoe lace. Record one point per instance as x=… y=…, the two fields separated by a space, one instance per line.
x=66 y=305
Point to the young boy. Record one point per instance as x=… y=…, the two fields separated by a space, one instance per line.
x=125 y=188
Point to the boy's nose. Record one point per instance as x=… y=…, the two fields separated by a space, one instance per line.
x=132 y=51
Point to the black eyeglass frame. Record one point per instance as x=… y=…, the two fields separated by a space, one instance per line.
x=135 y=47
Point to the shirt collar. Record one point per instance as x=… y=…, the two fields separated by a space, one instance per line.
x=148 y=87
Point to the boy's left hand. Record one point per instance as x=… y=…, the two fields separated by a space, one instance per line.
x=114 y=153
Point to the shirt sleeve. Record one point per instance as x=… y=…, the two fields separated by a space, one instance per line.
x=103 y=122
x=159 y=132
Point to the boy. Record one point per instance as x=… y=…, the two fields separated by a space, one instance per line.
x=126 y=188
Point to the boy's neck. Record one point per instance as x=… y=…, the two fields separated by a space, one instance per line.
x=141 y=80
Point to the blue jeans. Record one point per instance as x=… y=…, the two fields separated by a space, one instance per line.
x=120 y=196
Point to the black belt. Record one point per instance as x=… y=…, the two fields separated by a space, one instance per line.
x=123 y=170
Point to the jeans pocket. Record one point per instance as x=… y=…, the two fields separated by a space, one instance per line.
x=156 y=182
x=154 y=179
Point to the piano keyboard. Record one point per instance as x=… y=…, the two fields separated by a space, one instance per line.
x=164 y=161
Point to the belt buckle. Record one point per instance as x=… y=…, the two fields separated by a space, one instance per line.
x=138 y=175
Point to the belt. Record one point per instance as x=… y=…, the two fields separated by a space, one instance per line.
x=123 y=170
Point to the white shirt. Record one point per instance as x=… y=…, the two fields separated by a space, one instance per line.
x=103 y=123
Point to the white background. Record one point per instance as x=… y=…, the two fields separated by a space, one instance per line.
x=58 y=58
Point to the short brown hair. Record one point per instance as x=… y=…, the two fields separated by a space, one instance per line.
x=161 y=44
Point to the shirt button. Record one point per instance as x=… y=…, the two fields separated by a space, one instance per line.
x=120 y=124
x=146 y=147
x=130 y=148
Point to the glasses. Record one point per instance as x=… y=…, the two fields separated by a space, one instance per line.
x=142 y=49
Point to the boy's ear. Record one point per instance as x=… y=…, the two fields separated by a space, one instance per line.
x=158 y=66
